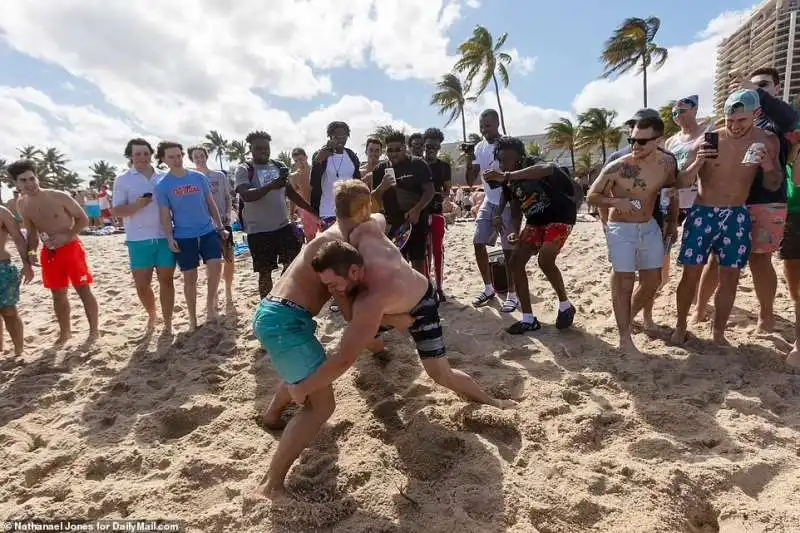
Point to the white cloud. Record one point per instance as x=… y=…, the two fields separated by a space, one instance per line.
x=689 y=70
x=521 y=65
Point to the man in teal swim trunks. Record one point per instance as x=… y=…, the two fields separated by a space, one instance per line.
x=10 y=279
x=284 y=325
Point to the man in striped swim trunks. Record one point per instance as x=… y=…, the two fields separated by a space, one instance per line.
x=371 y=280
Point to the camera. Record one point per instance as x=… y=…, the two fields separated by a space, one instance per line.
x=468 y=147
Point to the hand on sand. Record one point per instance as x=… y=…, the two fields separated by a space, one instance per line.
x=297 y=393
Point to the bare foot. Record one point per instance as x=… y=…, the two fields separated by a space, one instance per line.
x=701 y=315
x=376 y=346
x=192 y=325
x=93 y=336
x=167 y=328
x=648 y=324
x=272 y=420
x=151 y=323
x=264 y=491
x=505 y=404
x=678 y=336
x=62 y=339
x=628 y=347
x=765 y=326
x=793 y=359
x=720 y=340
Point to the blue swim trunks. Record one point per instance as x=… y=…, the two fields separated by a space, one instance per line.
x=9 y=284
x=287 y=332
x=722 y=230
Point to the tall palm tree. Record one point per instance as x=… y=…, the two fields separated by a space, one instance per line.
x=217 y=145
x=584 y=164
x=482 y=56
x=670 y=128
x=29 y=152
x=66 y=181
x=381 y=132
x=53 y=167
x=596 y=128
x=631 y=45
x=563 y=135
x=451 y=97
x=103 y=173
x=285 y=158
x=237 y=152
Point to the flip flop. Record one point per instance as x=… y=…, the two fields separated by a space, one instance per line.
x=509 y=306
x=483 y=299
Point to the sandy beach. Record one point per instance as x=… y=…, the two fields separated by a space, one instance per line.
x=690 y=439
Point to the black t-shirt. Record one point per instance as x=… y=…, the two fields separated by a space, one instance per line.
x=546 y=201
x=412 y=175
x=442 y=174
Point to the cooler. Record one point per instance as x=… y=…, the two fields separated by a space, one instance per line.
x=497 y=271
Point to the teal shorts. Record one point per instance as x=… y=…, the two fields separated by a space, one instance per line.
x=287 y=332
x=9 y=284
x=152 y=253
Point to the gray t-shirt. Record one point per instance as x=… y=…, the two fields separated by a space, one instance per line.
x=220 y=189
x=270 y=212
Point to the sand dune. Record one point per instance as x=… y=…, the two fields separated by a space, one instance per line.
x=689 y=439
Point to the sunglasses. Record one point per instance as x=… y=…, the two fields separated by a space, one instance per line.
x=678 y=111
x=640 y=142
x=432 y=147
x=762 y=84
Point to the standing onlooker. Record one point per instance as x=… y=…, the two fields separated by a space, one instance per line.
x=105 y=199
x=264 y=185
x=374 y=151
x=332 y=163
x=57 y=219
x=148 y=249
x=491 y=222
x=442 y=175
x=192 y=226
x=220 y=189
x=790 y=245
x=299 y=179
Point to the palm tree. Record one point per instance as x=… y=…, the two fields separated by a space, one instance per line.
x=451 y=98
x=481 y=56
x=103 y=173
x=285 y=158
x=29 y=152
x=670 y=128
x=4 y=177
x=53 y=167
x=596 y=128
x=237 y=152
x=216 y=145
x=447 y=158
x=67 y=181
x=534 y=150
x=381 y=132
x=630 y=46
x=584 y=164
x=563 y=135
x=474 y=138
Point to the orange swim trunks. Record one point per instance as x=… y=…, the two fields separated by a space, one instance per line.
x=768 y=223
x=64 y=266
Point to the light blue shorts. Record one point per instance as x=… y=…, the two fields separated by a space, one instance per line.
x=287 y=332
x=635 y=246
x=152 y=253
x=93 y=211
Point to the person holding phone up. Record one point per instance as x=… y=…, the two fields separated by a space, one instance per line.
x=148 y=249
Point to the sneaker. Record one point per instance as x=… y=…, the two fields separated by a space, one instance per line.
x=565 y=317
x=482 y=299
x=520 y=327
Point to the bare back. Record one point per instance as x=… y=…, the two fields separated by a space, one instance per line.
x=639 y=179
x=388 y=277
x=300 y=284
x=300 y=180
x=725 y=181
x=49 y=211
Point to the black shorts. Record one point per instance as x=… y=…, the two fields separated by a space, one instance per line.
x=417 y=245
x=790 y=245
x=426 y=329
x=272 y=247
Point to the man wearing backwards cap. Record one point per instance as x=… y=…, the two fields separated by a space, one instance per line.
x=719 y=220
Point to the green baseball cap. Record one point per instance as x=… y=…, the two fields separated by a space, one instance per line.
x=745 y=99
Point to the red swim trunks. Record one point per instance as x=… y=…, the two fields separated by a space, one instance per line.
x=65 y=265
x=556 y=233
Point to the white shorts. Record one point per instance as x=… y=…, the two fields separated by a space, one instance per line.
x=635 y=246
x=485 y=230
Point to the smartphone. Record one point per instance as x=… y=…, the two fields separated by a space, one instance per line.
x=711 y=138
x=147 y=195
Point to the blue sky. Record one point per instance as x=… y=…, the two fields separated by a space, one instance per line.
x=86 y=75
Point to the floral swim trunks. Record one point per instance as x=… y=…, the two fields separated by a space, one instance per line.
x=723 y=230
x=9 y=284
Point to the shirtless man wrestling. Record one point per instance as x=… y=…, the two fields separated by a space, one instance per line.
x=10 y=278
x=719 y=220
x=284 y=325
x=630 y=187
x=58 y=219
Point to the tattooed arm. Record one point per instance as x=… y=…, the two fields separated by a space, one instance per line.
x=600 y=191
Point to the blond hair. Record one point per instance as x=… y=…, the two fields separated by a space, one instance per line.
x=352 y=199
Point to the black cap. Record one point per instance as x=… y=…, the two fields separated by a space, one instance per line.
x=642 y=113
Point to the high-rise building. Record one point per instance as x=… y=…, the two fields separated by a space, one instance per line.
x=769 y=38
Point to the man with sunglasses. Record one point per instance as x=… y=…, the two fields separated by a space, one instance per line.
x=406 y=201
x=719 y=222
x=767 y=208
x=630 y=188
